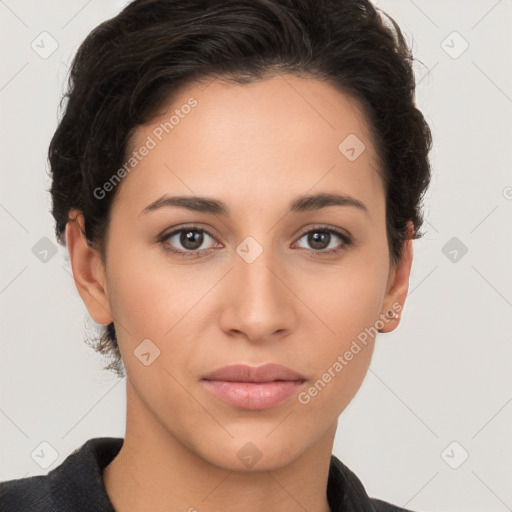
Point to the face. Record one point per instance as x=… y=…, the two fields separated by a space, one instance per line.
x=266 y=277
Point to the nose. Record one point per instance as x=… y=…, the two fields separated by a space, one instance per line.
x=258 y=303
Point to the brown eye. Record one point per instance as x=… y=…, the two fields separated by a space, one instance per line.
x=187 y=241
x=319 y=239
x=191 y=240
x=325 y=240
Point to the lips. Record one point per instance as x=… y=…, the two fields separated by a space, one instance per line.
x=253 y=388
x=244 y=373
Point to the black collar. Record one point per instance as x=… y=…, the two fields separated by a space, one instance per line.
x=77 y=485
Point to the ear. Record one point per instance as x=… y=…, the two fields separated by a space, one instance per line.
x=398 y=285
x=88 y=270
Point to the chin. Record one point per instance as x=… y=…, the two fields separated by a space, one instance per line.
x=253 y=453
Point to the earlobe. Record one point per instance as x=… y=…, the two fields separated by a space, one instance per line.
x=398 y=286
x=88 y=270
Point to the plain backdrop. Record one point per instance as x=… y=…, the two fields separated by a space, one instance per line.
x=430 y=426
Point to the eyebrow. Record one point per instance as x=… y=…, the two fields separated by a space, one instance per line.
x=214 y=206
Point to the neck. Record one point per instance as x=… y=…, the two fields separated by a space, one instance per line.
x=156 y=472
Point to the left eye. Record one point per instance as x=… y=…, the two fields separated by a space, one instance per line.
x=317 y=239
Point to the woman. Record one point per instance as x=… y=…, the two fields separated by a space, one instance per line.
x=238 y=185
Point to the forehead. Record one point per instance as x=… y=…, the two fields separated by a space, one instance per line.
x=282 y=136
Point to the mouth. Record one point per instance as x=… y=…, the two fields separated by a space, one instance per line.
x=253 y=388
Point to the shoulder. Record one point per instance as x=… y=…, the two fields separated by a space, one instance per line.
x=384 y=506
x=32 y=493
x=346 y=492
x=75 y=485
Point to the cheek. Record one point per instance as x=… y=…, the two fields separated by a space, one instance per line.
x=348 y=300
x=342 y=355
x=336 y=382
x=349 y=304
x=137 y=305
x=154 y=299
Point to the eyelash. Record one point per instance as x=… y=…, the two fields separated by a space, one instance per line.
x=345 y=239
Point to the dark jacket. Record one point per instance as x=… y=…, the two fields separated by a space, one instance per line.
x=77 y=485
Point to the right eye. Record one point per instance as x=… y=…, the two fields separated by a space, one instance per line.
x=191 y=239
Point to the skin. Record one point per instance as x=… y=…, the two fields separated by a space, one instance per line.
x=255 y=147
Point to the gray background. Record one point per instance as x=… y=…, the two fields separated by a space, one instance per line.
x=438 y=389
